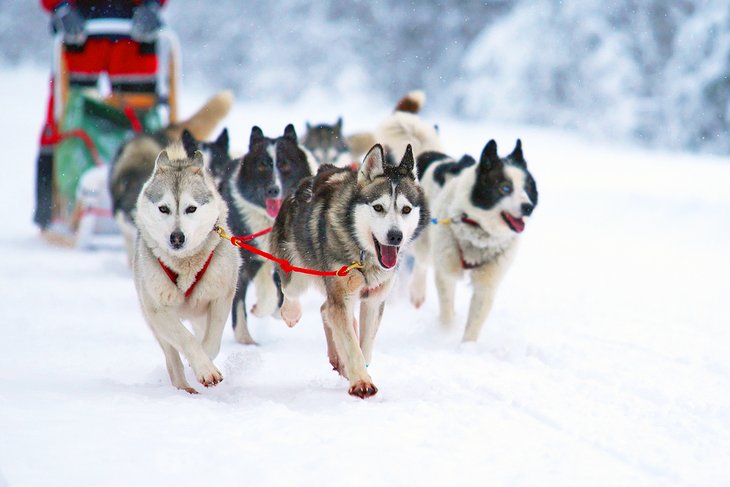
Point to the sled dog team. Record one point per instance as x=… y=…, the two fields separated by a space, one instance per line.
x=329 y=208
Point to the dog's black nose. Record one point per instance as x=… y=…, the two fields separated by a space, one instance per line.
x=273 y=191
x=395 y=237
x=527 y=209
x=177 y=239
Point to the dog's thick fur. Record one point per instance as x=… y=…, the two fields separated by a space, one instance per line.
x=333 y=219
x=485 y=246
x=176 y=211
x=488 y=203
x=254 y=191
x=327 y=144
x=135 y=160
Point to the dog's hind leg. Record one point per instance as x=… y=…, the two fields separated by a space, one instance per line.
x=238 y=312
x=175 y=367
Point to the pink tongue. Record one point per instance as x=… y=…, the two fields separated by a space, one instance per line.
x=388 y=255
x=518 y=224
x=273 y=205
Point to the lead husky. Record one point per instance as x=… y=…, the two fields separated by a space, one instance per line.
x=254 y=192
x=333 y=219
x=182 y=269
x=135 y=160
x=488 y=204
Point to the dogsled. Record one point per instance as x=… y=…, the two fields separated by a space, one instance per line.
x=88 y=126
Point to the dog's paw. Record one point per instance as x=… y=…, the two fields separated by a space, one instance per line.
x=291 y=312
x=363 y=389
x=188 y=389
x=418 y=294
x=243 y=336
x=210 y=377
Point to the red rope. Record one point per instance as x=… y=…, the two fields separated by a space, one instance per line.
x=285 y=265
x=246 y=238
x=133 y=119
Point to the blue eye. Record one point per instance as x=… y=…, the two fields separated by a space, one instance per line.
x=505 y=188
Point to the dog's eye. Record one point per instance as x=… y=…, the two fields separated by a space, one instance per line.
x=505 y=188
x=165 y=209
x=378 y=208
x=190 y=209
x=406 y=210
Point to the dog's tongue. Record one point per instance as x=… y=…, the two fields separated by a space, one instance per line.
x=517 y=224
x=273 y=205
x=388 y=255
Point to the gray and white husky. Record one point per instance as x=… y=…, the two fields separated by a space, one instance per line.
x=182 y=269
x=327 y=144
x=488 y=203
x=334 y=218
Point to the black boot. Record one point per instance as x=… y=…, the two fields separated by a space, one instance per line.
x=44 y=188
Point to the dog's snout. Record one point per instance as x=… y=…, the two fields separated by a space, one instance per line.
x=177 y=239
x=527 y=209
x=395 y=237
x=273 y=191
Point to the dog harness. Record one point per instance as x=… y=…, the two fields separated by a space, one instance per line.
x=173 y=275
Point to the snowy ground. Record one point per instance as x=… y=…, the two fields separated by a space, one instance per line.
x=606 y=360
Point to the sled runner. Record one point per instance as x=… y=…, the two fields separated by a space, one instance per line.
x=88 y=125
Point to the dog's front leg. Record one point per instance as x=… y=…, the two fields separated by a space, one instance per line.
x=446 y=286
x=337 y=313
x=267 y=296
x=371 y=313
x=216 y=322
x=168 y=327
x=484 y=280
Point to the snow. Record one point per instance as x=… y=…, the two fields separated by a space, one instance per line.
x=605 y=361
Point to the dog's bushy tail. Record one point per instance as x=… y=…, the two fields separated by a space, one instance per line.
x=202 y=123
x=412 y=102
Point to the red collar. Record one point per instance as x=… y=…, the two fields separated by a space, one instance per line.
x=173 y=275
x=469 y=221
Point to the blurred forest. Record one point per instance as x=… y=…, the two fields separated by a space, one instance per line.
x=649 y=70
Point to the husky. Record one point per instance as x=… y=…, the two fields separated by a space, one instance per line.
x=216 y=154
x=254 y=192
x=327 y=144
x=182 y=269
x=337 y=217
x=135 y=160
x=487 y=204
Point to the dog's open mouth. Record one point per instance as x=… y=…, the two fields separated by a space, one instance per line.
x=387 y=254
x=516 y=224
x=273 y=205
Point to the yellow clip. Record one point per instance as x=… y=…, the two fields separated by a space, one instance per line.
x=356 y=264
x=221 y=233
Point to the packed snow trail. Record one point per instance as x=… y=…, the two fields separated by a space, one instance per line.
x=606 y=359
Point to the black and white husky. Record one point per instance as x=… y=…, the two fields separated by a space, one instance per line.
x=337 y=217
x=254 y=191
x=487 y=203
x=182 y=269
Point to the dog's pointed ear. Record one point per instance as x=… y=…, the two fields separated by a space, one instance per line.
x=308 y=125
x=189 y=143
x=517 y=155
x=372 y=165
x=162 y=162
x=222 y=140
x=257 y=135
x=489 y=157
x=197 y=162
x=290 y=133
x=407 y=164
x=338 y=125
